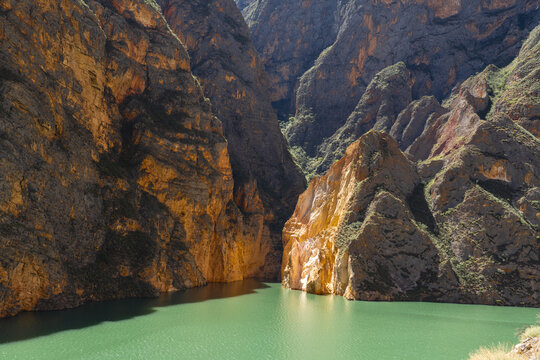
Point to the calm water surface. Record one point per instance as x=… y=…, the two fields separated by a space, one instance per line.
x=252 y=320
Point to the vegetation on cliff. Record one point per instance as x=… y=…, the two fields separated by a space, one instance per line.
x=322 y=55
x=527 y=349
x=459 y=223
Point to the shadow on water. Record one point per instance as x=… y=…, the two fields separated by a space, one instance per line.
x=34 y=324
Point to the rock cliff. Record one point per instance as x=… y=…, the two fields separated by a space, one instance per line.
x=115 y=174
x=321 y=55
x=454 y=218
x=387 y=95
x=353 y=232
x=267 y=181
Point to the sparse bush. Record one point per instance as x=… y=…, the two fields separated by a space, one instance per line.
x=531 y=331
x=499 y=352
x=502 y=351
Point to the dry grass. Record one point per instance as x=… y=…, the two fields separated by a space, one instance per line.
x=502 y=351
x=499 y=352
x=531 y=331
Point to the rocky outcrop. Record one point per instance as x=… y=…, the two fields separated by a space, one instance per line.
x=115 y=178
x=445 y=129
x=528 y=349
x=354 y=234
x=267 y=181
x=515 y=89
x=372 y=228
x=460 y=224
x=411 y=122
x=510 y=91
x=321 y=55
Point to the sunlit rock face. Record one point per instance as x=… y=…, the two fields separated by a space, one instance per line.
x=453 y=217
x=353 y=232
x=517 y=86
x=321 y=55
x=371 y=229
x=115 y=176
x=267 y=181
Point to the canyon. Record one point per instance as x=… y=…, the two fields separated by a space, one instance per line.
x=146 y=147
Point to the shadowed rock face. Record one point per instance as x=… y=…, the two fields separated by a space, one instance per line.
x=388 y=93
x=115 y=175
x=267 y=181
x=322 y=54
x=461 y=224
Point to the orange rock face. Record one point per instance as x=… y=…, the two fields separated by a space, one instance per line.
x=267 y=181
x=115 y=175
x=349 y=220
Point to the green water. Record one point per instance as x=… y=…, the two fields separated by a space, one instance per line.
x=252 y=320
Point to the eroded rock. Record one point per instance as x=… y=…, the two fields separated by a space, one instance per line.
x=460 y=224
x=321 y=55
x=115 y=178
x=353 y=232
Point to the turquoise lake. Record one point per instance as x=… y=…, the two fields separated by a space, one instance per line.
x=253 y=320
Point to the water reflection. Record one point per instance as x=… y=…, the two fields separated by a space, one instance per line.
x=34 y=324
x=273 y=322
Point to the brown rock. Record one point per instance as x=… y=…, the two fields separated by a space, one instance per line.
x=518 y=94
x=465 y=228
x=412 y=121
x=387 y=94
x=447 y=129
x=321 y=55
x=353 y=232
x=115 y=175
x=267 y=181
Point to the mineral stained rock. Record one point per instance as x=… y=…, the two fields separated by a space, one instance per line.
x=454 y=217
x=321 y=55
x=115 y=175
